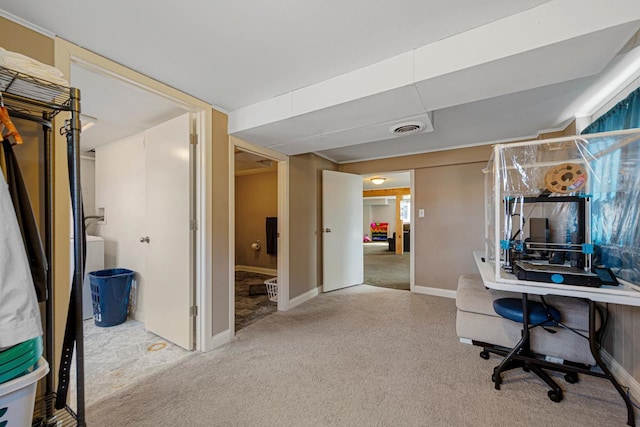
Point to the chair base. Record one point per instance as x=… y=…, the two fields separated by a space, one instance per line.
x=555 y=394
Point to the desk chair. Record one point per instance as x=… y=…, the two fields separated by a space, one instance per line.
x=531 y=314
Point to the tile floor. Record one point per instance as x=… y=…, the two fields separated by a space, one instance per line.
x=252 y=302
x=118 y=356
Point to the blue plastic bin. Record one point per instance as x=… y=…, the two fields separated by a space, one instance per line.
x=110 y=295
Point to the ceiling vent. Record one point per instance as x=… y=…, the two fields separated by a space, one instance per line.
x=406 y=128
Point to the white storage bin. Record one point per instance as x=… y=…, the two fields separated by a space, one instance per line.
x=17 y=397
x=272 y=289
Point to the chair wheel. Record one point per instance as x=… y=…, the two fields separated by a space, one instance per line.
x=555 y=396
x=571 y=378
x=485 y=354
x=496 y=383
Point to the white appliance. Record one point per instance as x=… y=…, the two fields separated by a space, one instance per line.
x=94 y=262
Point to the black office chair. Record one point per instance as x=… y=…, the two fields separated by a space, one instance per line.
x=539 y=314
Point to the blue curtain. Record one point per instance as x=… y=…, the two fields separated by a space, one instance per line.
x=625 y=115
x=616 y=212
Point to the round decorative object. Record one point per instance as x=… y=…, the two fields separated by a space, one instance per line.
x=565 y=178
x=157 y=346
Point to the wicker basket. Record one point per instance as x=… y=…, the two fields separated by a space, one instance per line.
x=272 y=289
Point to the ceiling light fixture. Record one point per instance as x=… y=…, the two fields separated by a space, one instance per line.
x=378 y=180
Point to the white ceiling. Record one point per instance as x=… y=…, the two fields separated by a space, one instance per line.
x=120 y=108
x=312 y=77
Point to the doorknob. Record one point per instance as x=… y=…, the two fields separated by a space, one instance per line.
x=144 y=239
x=326 y=230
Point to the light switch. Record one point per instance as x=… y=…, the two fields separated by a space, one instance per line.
x=421 y=213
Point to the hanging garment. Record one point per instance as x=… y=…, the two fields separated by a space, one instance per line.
x=272 y=235
x=26 y=222
x=19 y=312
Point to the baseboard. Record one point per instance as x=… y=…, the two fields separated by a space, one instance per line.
x=219 y=340
x=437 y=292
x=259 y=270
x=304 y=297
x=624 y=378
x=137 y=315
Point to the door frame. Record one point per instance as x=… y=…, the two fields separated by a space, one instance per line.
x=67 y=53
x=412 y=230
x=283 y=223
x=414 y=213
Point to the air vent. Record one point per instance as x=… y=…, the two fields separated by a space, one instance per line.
x=406 y=128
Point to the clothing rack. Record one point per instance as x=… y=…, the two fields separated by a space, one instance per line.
x=39 y=101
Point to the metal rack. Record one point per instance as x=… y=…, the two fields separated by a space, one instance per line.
x=39 y=101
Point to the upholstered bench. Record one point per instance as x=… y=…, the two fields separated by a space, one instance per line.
x=477 y=321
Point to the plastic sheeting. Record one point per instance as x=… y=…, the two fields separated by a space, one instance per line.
x=612 y=165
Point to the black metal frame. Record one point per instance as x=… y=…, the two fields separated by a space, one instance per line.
x=39 y=101
x=521 y=356
x=581 y=202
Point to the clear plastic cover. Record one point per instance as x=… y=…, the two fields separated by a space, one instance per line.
x=603 y=168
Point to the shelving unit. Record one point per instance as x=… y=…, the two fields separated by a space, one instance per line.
x=379 y=231
x=39 y=101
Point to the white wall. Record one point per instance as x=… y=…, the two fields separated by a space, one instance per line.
x=385 y=213
x=374 y=210
x=120 y=190
x=366 y=220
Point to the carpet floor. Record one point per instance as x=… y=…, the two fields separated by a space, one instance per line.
x=361 y=356
x=384 y=268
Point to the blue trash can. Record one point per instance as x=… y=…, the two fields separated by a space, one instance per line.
x=110 y=295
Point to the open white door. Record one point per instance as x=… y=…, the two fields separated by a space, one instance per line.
x=169 y=292
x=342 y=251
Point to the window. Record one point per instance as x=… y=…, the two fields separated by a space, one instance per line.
x=405 y=209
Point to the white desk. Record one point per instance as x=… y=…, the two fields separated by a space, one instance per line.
x=520 y=355
x=623 y=294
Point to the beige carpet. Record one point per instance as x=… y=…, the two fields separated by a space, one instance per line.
x=384 y=268
x=362 y=356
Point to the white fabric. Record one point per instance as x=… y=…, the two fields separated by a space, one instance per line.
x=30 y=66
x=19 y=312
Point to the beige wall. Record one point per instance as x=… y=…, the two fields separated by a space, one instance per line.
x=19 y=39
x=30 y=154
x=426 y=160
x=220 y=216
x=305 y=215
x=256 y=198
x=453 y=226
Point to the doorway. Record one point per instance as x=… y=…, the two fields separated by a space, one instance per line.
x=387 y=230
x=252 y=160
x=256 y=243
x=132 y=136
